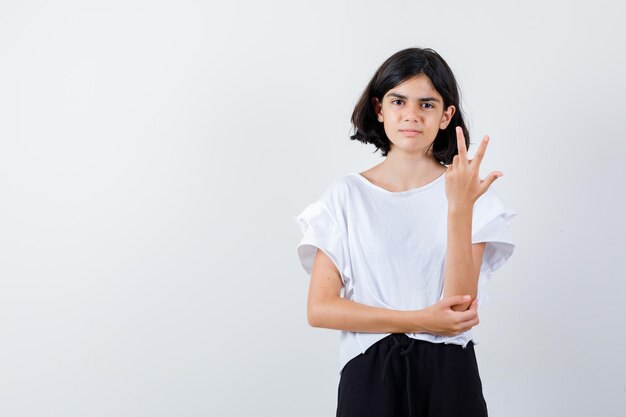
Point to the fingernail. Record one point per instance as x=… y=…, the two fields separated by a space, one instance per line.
x=467 y=297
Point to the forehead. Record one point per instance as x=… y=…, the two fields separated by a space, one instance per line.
x=415 y=88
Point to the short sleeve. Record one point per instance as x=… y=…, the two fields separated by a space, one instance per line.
x=321 y=231
x=491 y=225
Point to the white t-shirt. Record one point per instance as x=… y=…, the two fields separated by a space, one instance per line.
x=390 y=247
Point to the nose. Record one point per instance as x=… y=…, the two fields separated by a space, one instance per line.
x=412 y=112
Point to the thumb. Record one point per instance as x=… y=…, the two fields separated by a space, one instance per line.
x=457 y=299
x=491 y=178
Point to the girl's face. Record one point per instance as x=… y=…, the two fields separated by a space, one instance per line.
x=412 y=113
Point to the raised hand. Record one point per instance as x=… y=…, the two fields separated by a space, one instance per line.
x=463 y=183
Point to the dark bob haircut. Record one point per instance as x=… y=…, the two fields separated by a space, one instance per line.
x=398 y=68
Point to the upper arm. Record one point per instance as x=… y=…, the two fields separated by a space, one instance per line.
x=325 y=282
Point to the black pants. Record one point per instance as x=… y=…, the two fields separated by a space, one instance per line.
x=401 y=376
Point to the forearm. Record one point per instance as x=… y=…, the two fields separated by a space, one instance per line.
x=459 y=276
x=343 y=314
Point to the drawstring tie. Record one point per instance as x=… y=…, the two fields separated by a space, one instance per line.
x=405 y=354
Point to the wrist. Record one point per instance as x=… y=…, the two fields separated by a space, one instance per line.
x=454 y=208
x=415 y=322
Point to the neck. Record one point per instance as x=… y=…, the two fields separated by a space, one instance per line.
x=407 y=170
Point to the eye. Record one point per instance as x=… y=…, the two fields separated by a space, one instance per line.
x=393 y=101
x=429 y=104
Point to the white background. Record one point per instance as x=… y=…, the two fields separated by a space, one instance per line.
x=153 y=155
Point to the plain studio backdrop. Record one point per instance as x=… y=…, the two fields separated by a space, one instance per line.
x=153 y=155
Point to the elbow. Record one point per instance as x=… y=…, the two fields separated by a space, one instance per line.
x=319 y=313
x=310 y=319
x=312 y=316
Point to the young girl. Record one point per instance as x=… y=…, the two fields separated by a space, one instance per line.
x=398 y=254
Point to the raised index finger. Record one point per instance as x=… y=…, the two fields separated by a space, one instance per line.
x=460 y=143
x=478 y=156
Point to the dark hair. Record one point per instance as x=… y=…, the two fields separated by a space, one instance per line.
x=398 y=68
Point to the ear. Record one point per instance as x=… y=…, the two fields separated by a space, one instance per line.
x=377 y=109
x=447 y=117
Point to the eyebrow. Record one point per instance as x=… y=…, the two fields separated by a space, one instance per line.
x=419 y=99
